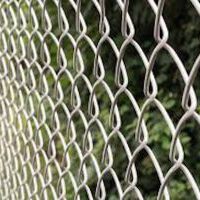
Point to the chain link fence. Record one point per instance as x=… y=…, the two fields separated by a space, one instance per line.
x=72 y=127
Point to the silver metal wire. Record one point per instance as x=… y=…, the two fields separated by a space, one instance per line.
x=44 y=153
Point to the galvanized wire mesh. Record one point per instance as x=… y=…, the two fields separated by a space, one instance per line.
x=56 y=141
